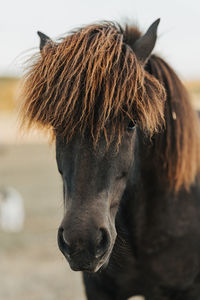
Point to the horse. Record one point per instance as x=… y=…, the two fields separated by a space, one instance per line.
x=128 y=151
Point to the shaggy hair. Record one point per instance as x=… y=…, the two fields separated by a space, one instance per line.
x=91 y=81
x=177 y=150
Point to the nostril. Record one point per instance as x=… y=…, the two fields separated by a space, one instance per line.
x=103 y=242
x=62 y=243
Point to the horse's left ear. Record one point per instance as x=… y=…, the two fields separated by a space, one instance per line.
x=145 y=44
x=44 y=39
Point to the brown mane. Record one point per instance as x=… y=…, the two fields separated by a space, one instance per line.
x=93 y=81
x=178 y=148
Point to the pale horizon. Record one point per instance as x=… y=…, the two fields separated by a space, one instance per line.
x=178 y=33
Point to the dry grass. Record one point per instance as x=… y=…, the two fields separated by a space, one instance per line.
x=8 y=91
x=194 y=89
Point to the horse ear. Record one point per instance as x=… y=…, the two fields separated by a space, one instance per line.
x=145 y=44
x=44 y=39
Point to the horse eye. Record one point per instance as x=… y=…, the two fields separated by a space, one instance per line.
x=131 y=125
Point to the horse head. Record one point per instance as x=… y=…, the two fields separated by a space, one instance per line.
x=94 y=95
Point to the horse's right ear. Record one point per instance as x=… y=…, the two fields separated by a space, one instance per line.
x=44 y=39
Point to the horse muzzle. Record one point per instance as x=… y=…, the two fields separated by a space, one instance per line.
x=85 y=254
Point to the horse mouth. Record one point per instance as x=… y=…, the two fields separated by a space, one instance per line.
x=82 y=263
x=88 y=268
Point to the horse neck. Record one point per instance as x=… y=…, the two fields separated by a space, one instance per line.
x=147 y=186
x=165 y=166
x=148 y=190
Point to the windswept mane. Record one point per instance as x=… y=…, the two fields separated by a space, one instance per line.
x=92 y=81
x=177 y=149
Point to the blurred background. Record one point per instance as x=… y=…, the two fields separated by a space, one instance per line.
x=31 y=266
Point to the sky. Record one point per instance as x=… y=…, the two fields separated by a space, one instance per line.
x=178 y=33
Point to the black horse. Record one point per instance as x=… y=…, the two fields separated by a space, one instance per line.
x=127 y=148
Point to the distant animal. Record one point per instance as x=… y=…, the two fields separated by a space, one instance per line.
x=11 y=210
x=127 y=149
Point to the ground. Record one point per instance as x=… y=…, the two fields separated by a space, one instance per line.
x=31 y=265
